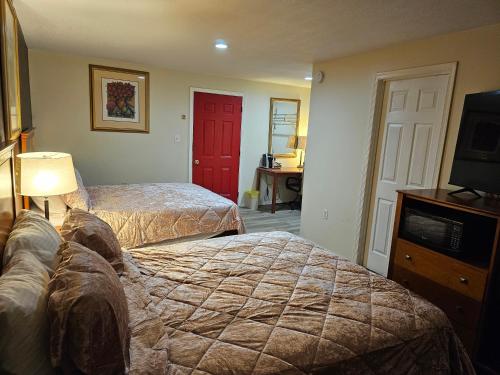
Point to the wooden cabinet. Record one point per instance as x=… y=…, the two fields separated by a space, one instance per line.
x=456 y=275
x=463 y=284
x=463 y=312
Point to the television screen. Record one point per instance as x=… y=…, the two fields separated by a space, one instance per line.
x=477 y=156
x=485 y=137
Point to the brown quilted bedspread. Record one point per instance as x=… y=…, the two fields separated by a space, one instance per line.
x=148 y=213
x=274 y=303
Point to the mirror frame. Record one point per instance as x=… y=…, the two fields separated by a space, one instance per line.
x=270 y=137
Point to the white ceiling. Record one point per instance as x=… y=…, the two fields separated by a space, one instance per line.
x=270 y=40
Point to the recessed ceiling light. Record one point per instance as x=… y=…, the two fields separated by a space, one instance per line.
x=220 y=44
x=308 y=78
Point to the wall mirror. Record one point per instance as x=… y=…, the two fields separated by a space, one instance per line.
x=283 y=126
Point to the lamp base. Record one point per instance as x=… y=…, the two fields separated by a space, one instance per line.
x=301 y=164
x=46 y=206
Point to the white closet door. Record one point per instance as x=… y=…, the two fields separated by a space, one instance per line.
x=408 y=156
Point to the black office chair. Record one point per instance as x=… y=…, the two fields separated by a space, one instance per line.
x=295 y=184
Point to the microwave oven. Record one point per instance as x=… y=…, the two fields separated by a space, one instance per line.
x=433 y=231
x=457 y=234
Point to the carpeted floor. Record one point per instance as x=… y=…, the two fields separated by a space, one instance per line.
x=261 y=221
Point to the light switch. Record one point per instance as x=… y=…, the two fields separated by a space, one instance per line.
x=177 y=138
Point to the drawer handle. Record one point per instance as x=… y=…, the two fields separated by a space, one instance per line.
x=463 y=280
x=459 y=309
x=408 y=257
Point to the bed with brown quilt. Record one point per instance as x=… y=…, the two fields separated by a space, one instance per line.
x=142 y=214
x=275 y=303
x=148 y=213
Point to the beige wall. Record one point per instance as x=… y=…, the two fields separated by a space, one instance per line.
x=339 y=120
x=61 y=114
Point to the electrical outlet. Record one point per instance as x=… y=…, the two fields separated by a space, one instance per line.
x=325 y=214
x=177 y=138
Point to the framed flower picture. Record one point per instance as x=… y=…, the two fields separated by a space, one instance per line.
x=119 y=99
x=10 y=71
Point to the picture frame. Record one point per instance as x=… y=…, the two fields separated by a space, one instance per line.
x=3 y=134
x=119 y=99
x=10 y=71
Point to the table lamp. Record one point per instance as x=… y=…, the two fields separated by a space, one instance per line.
x=43 y=174
x=301 y=146
x=292 y=142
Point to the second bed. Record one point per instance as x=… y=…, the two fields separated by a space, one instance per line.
x=142 y=214
x=148 y=213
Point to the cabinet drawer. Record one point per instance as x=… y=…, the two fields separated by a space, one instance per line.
x=446 y=271
x=460 y=309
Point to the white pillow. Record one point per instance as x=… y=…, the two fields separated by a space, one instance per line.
x=56 y=204
x=34 y=233
x=79 y=198
x=24 y=338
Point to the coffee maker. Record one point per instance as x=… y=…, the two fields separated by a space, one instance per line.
x=267 y=161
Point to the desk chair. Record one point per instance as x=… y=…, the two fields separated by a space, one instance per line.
x=295 y=184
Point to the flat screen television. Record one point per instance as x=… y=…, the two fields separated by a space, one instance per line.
x=476 y=164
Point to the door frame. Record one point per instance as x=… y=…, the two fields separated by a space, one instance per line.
x=376 y=109
x=192 y=90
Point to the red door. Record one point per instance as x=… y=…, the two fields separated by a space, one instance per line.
x=216 y=143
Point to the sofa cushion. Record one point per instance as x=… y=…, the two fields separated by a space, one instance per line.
x=88 y=314
x=33 y=232
x=80 y=197
x=90 y=231
x=23 y=316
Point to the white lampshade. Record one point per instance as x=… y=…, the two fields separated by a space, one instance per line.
x=301 y=142
x=43 y=174
x=292 y=142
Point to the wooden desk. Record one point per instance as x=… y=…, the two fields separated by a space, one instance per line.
x=276 y=173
